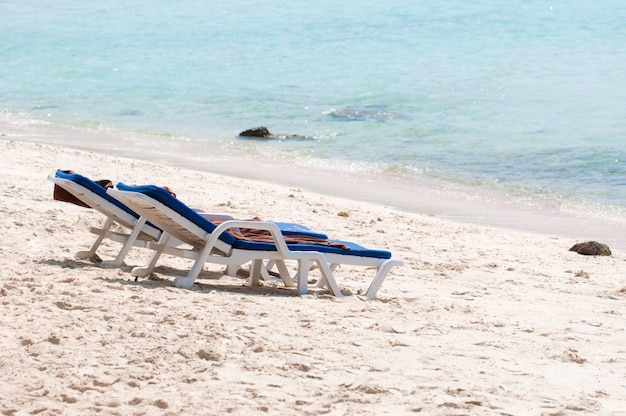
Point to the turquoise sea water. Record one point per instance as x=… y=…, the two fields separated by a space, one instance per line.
x=522 y=98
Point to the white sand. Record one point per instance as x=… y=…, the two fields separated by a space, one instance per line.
x=480 y=321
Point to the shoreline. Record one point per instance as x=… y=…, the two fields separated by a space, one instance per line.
x=415 y=195
x=480 y=320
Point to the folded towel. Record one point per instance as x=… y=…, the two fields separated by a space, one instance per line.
x=265 y=237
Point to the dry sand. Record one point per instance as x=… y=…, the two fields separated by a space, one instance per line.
x=479 y=321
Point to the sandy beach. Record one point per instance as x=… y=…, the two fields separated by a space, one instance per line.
x=481 y=320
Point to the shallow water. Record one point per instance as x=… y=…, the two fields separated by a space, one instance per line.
x=524 y=100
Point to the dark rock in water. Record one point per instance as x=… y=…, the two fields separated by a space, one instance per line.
x=264 y=133
x=591 y=248
x=261 y=132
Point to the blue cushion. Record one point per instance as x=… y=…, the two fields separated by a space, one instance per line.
x=289 y=228
x=354 y=249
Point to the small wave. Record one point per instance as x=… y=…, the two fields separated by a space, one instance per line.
x=356 y=114
x=45 y=107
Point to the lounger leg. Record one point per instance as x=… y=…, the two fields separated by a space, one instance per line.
x=231 y=270
x=149 y=267
x=255 y=272
x=380 y=277
x=87 y=254
x=130 y=240
x=284 y=273
x=187 y=281
x=270 y=264
x=296 y=276
x=304 y=265
x=322 y=282
x=327 y=276
x=303 y=275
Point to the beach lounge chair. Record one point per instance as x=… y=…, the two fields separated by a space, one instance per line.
x=139 y=233
x=93 y=195
x=212 y=243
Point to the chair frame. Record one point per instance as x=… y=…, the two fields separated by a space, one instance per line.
x=207 y=247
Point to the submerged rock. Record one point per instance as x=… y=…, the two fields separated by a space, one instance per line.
x=261 y=132
x=591 y=248
x=264 y=133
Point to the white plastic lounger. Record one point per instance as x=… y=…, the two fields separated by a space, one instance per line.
x=211 y=243
x=94 y=196
x=140 y=232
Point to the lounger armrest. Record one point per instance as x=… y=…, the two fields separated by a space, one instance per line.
x=277 y=236
x=217 y=217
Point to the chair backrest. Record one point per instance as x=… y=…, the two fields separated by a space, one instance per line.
x=95 y=188
x=94 y=196
x=166 y=198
